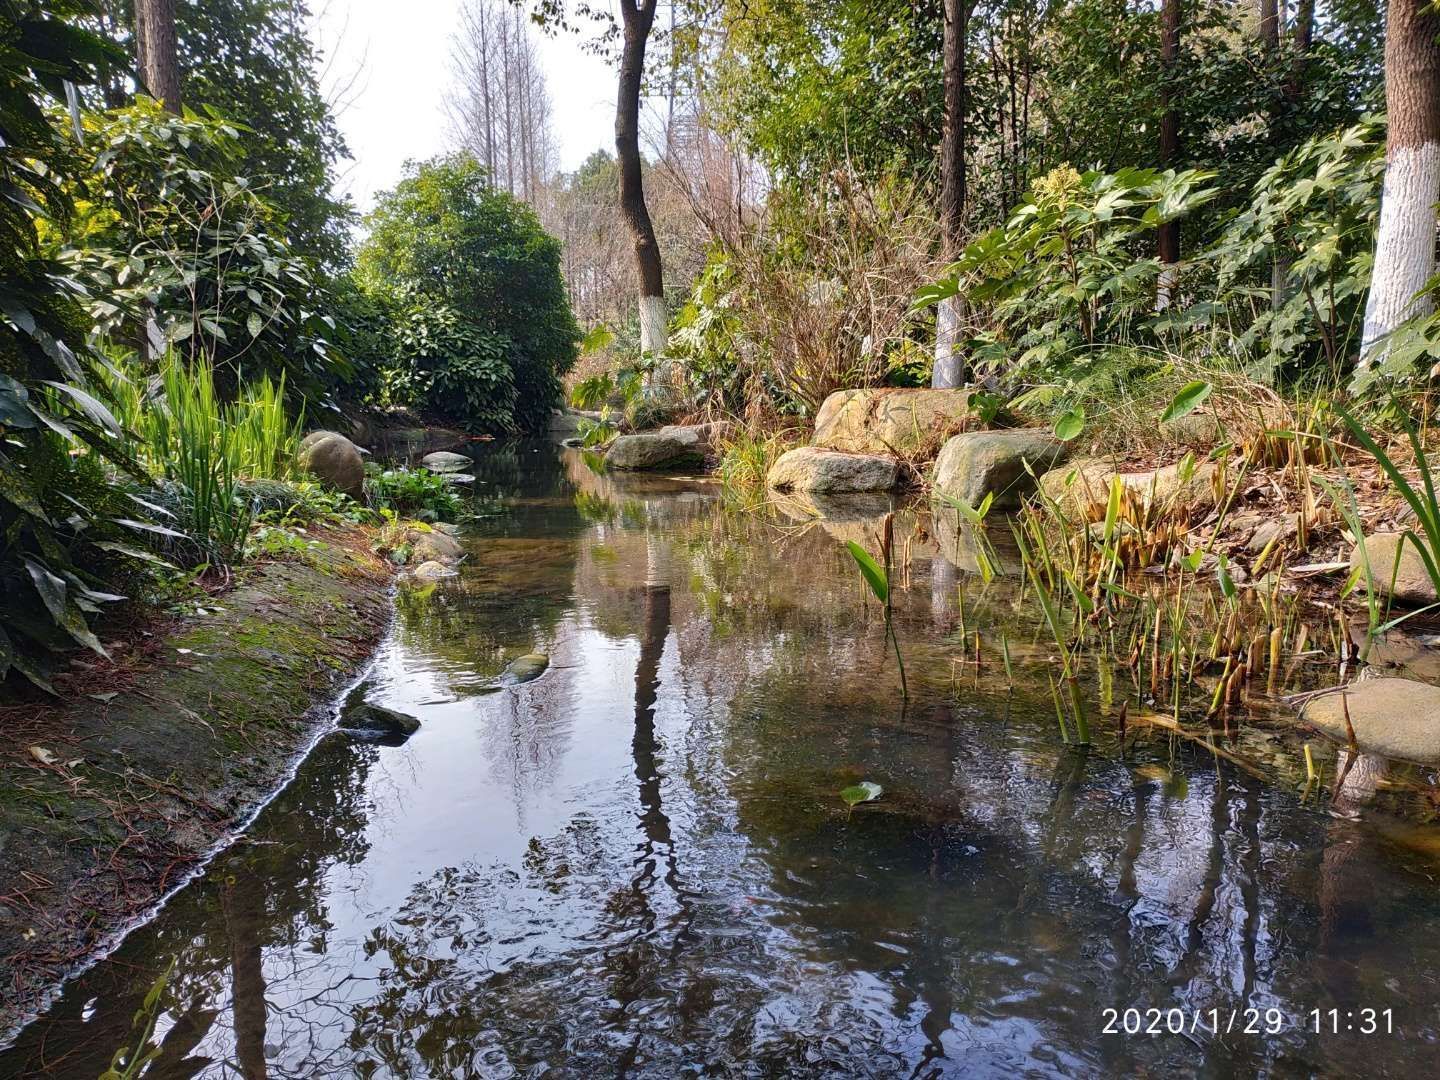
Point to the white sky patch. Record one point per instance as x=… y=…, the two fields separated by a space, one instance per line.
x=386 y=70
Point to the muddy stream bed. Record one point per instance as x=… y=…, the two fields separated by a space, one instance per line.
x=638 y=863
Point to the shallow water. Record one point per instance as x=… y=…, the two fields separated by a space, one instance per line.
x=639 y=864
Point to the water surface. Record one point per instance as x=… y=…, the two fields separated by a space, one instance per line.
x=638 y=864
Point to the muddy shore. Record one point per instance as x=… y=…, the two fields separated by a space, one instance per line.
x=111 y=798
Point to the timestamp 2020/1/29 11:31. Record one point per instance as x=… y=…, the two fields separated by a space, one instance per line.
x=1247 y=1021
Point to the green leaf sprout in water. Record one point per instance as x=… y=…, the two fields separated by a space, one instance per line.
x=874 y=574
x=863 y=792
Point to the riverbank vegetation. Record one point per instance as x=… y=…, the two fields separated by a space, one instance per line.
x=182 y=299
x=1155 y=231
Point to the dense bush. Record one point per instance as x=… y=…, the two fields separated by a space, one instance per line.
x=482 y=327
x=57 y=500
x=816 y=299
x=180 y=249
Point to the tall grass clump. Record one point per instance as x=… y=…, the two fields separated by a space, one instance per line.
x=204 y=451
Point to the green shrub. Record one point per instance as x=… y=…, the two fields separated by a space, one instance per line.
x=417 y=493
x=482 y=324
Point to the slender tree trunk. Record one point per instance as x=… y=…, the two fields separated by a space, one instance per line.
x=1167 y=235
x=638 y=20
x=1268 y=29
x=1405 y=242
x=489 y=93
x=156 y=52
x=948 y=371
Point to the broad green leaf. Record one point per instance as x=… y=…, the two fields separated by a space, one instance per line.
x=1070 y=424
x=90 y=406
x=863 y=792
x=871 y=570
x=1189 y=398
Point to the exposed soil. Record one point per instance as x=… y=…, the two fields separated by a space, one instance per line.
x=111 y=797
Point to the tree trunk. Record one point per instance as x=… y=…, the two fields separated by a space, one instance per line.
x=156 y=53
x=1269 y=25
x=638 y=20
x=948 y=372
x=1405 y=242
x=1167 y=235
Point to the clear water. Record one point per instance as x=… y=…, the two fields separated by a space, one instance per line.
x=638 y=864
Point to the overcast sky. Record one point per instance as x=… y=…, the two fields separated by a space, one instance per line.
x=387 y=70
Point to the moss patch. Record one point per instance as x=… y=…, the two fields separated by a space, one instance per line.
x=123 y=793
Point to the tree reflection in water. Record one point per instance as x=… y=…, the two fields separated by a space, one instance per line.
x=638 y=864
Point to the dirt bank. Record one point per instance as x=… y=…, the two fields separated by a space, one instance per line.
x=110 y=798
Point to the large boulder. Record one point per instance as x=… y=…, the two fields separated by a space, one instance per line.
x=1395 y=718
x=335 y=460
x=909 y=423
x=974 y=464
x=1412 y=584
x=686 y=444
x=444 y=461
x=808 y=468
x=1082 y=488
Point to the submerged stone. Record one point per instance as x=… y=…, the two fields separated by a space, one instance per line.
x=1395 y=718
x=810 y=469
x=377 y=720
x=527 y=668
x=974 y=464
x=443 y=461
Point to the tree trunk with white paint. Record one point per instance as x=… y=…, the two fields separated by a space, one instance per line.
x=638 y=19
x=949 y=316
x=1405 y=242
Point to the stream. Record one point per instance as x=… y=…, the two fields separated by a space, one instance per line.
x=639 y=863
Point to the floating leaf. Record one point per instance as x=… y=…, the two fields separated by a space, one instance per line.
x=863 y=792
x=1191 y=397
x=872 y=571
x=1070 y=424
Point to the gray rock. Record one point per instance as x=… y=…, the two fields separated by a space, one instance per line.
x=1412 y=584
x=527 y=668
x=1396 y=718
x=1082 y=488
x=1274 y=530
x=912 y=422
x=378 y=720
x=443 y=461
x=654 y=450
x=432 y=570
x=808 y=468
x=313 y=437
x=427 y=546
x=458 y=478
x=979 y=463
x=335 y=460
